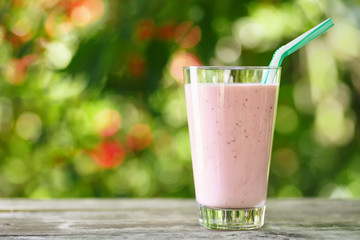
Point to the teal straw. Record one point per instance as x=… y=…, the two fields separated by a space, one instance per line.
x=294 y=45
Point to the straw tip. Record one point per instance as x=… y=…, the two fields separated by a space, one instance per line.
x=329 y=20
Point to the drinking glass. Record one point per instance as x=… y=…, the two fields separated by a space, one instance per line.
x=231 y=114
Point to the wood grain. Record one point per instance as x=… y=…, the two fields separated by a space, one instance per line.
x=170 y=219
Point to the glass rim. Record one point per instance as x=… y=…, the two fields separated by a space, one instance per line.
x=230 y=67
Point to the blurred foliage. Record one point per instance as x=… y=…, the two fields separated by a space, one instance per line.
x=92 y=102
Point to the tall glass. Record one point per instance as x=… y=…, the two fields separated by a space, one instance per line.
x=231 y=117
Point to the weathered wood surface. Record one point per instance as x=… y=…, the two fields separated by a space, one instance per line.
x=170 y=219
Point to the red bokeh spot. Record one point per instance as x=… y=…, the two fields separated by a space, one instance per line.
x=57 y=24
x=109 y=154
x=187 y=34
x=139 y=137
x=136 y=65
x=25 y=61
x=83 y=12
x=179 y=60
x=19 y=40
x=166 y=32
x=16 y=41
x=145 y=30
x=86 y=12
x=16 y=70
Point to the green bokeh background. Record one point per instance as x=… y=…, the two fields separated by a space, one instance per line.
x=92 y=102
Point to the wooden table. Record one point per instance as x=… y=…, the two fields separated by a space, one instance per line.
x=170 y=219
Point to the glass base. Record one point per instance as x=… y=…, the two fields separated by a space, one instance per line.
x=231 y=219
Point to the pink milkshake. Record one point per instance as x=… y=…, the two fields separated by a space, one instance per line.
x=231 y=129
